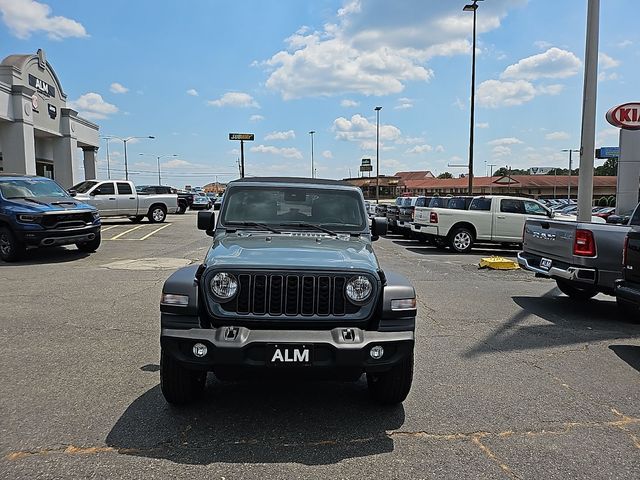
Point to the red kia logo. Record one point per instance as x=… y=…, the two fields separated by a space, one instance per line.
x=625 y=116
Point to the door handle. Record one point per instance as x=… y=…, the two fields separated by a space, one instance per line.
x=132 y=198
x=501 y=217
x=111 y=198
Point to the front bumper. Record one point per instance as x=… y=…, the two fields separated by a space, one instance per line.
x=243 y=347
x=50 y=238
x=558 y=269
x=629 y=291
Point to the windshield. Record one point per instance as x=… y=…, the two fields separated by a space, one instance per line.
x=84 y=187
x=31 y=188
x=278 y=206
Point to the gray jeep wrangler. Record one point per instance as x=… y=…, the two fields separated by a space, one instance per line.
x=291 y=283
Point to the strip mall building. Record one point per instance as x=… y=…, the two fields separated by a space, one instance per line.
x=39 y=134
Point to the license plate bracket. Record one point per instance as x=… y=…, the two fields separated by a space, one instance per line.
x=289 y=354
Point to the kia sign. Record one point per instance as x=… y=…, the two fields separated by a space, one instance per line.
x=625 y=116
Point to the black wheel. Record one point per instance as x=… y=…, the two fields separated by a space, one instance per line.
x=137 y=218
x=11 y=249
x=182 y=207
x=440 y=243
x=90 y=246
x=576 y=293
x=628 y=308
x=157 y=214
x=422 y=238
x=179 y=385
x=393 y=386
x=461 y=240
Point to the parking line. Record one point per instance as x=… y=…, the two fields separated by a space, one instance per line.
x=109 y=228
x=125 y=232
x=155 y=231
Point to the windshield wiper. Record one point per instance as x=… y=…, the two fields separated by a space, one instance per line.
x=28 y=199
x=309 y=225
x=263 y=226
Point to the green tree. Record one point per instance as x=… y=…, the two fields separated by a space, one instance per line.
x=612 y=201
x=445 y=175
x=609 y=168
x=603 y=202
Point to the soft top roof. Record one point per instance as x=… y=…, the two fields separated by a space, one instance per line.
x=293 y=180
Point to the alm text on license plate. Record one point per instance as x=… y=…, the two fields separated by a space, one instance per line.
x=289 y=354
x=545 y=263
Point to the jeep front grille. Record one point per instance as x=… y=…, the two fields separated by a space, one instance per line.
x=290 y=295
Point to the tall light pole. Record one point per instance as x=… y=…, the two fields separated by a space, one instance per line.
x=377 y=109
x=158 y=157
x=313 y=170
x=472 y=7
x=108 y=159
x=124 y=141
x=570 y=165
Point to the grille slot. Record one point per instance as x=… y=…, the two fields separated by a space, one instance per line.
x=66 y=220
x=290 y=295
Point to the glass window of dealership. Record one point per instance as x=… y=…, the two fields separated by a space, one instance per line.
x=39 y=135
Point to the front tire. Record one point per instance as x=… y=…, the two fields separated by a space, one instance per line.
x=393 y=386
x=157 y=214
x=461 y=240
x=11 y=249
x=90 y=246
x=179 y=385
x=576 y=293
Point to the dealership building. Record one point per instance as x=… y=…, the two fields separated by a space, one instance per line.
x=39 y=134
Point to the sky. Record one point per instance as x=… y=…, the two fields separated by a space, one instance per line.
x=190 y=73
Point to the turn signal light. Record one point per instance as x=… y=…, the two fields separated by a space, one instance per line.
x=433 y=217
x=584 y=245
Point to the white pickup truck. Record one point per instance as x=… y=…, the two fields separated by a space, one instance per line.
x=119 y=199
x=496 y=219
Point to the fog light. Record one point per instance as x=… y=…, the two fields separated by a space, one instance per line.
x=376 y=352
x=199 y=350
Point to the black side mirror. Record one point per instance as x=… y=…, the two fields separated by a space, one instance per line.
x=206 y=221
x=72 y=192
x=378 y=227
x=95 y=192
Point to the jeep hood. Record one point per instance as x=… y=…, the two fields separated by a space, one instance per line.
x=276 y=252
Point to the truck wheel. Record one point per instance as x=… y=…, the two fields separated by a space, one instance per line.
x=440 y=243
x=137 y=218
x=11 y=249
x=157 y=214
x=182 y=207
x=576 y=293
x=90 y=246
x=461 y=240
x=628 y=308
x=179 y=385
x=393 y=386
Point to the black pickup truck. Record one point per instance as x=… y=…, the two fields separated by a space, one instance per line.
x=184 y=199
x=627 y=289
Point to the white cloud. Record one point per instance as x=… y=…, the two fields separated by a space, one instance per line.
x=605 y=76
x=624 y=44
x=360 y=129
x=605 y=62
x=349 y=103
x=608 y=135
x=501 y=151
x=176 y=163
x=418 y=149
x=557 y=136
x=482 y=125
x=554 y=63
x=24 y=17
x=409 y=140
x=287 y=152
x=505 y=141
x=327 y=154
x=375 y=47
x=288 y=135
x=118 y=88
x=92 y=106
x=256 y=118
x=495 y=93
x=460 y=104
x=404 y=103
x=235 y=99
x=542 y=44
x=193 y=92
x=439 y=149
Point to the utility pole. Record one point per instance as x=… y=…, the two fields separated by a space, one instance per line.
x=313 y=170
x=377 y=109
x=570 y=167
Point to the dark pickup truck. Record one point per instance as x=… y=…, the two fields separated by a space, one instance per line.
x=627 y=289
x=392 y=214
x=184 y=199
x=407 y=211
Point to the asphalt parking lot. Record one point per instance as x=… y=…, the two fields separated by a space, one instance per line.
x=512 y=379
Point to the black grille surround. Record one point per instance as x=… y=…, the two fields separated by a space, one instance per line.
x=67 y=220
x=290 y=297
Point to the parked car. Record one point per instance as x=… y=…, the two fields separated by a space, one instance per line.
x=381 y=210
x=583 y=258
x=392 y=213
x=422 y=215
x=290 y=283
x=627 y=289
x=201 y=202
x=37 y=212
x=184 y=199
x=605 y=212
x=217 y=204
x=406 y=213
x=120 y=199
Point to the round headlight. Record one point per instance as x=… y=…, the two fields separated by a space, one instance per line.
x=359 y=289
x=224 y=285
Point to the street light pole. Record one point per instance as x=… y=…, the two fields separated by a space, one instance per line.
x=124 y=141
x=570 y=165
x=158 y=157
x=108 y=160
x=311 y=133
x=377 y=109
x=472 y=7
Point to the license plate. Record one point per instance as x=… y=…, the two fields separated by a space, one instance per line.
x=417 y=227
x=289 y=354
x=545 y=263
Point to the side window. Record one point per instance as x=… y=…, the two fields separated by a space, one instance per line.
x=124 y=188
x=481 y=203
x=511 y=206
x=105 y=189
x=533 y=208
x=420 y=202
